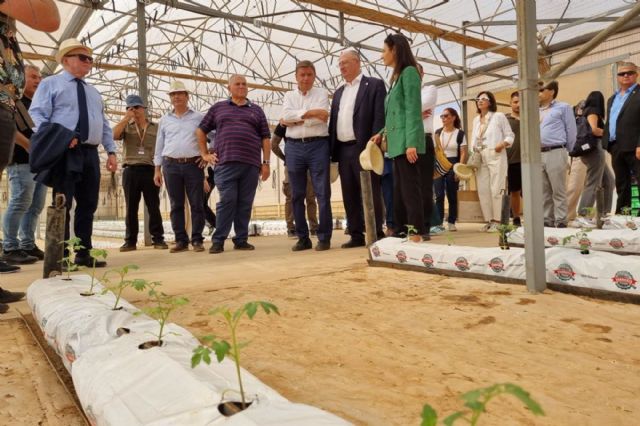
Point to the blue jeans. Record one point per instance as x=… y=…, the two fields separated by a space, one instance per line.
x=314 y=158
x=180 y=179
x=387 y=190
x=237 y=183
x=448 y=185
x=26 y=201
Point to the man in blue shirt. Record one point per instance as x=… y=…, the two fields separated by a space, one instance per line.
x=622 y=132
x=68 y=100
x=557 y=137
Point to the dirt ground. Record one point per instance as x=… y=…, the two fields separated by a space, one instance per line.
x=374 y=344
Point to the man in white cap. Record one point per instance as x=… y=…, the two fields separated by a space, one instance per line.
x=138 y=137
x=177 y=157
x=68 y=100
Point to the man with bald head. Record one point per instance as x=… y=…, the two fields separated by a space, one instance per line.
x=357 y=113
x=242 y=148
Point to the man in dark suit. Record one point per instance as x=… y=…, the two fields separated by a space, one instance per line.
x=357 y=113
x=622 y=132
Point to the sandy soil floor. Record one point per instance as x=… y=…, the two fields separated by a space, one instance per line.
x=374 y=344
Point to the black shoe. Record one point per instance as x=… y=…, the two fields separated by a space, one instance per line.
x=314 y=232
x=198 y=247
x=302 y=244
x=3 y=308
x=179 y=247
x=380 y=235
x=128 y=247
x=291 y=233
x=5 y=268
x=517 y=221
x=426 y=237
x=351 y=243
x=243 y=246
x=323 y=245
x=216 y=248
x=160 y=245
x=18 y=257
x=88 y=262
x=561 y=225
x=35 y=252
x=10 y=296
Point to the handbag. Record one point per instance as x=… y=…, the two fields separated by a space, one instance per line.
x=586 y=141
x=475 y=159
x=442 y=164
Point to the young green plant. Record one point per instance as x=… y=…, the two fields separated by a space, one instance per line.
x=582 y=238
x=95 y=254
x=164 y=305
x=72 y=246
x=504 y=229
x=223 y=348
x=476 y=402
x=122 y=283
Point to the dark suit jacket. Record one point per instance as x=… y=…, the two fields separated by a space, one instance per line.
x=628 y=123
x=368 y=113
x=51 y=159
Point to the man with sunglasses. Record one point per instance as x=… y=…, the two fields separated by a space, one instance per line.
x=138 y=137
x=621 y=132
x=68 y=100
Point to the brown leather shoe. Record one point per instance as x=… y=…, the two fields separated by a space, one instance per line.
x=198 y=247
x=178 y=247
x=127 y=247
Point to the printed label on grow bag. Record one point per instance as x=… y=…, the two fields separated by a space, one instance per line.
x=584 y=242
x=401 y=256
x=69 y=353
x=427 y=260
x=624 y=280
x=631 y=225
x=553 y=240
x=496 y=264
x=616 y=243
x=376 y=251
x=462 y=264
x=564 y=272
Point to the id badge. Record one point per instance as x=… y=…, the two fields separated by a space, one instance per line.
x=141 y=150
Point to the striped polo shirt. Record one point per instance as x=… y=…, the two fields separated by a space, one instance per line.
x=240 y=130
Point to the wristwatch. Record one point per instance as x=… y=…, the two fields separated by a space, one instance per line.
x=266 y=162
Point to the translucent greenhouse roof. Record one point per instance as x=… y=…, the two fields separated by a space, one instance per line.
x=204 y=41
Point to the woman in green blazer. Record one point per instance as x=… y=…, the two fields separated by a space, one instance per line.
x=405 y=135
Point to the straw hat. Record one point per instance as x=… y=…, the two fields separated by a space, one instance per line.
x=371 y=158
x=177 y=86
x=333 y=172
x=67 y=46
x=463 y=171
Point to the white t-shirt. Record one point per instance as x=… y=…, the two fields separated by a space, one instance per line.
x=449 y=142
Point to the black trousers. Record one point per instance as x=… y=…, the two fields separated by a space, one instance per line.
x=408 y=208
x=427 y=163
x=349 y=169
x=86 y=193
x=624 y=162
x=187 y=179
x=137 y=181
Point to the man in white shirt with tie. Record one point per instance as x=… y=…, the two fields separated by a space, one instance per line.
x=306 y=113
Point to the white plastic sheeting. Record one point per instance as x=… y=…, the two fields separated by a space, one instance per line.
x=119 y=384
x=565 y=266
x=613 y=240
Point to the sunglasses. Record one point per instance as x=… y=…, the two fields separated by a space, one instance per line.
x=626 y=73
x=134 y=107
x=82 y=57
x=483 y=99
x=443 y=116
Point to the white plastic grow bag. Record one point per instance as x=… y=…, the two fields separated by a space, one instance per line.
x=613 y=240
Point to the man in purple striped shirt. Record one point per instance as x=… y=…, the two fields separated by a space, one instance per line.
x=242 y=147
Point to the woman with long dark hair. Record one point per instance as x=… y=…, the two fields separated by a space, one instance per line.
x=599 y=175
x=450 y=137
x=405 y=136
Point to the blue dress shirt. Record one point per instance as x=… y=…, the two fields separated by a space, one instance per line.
x=56 y=101
x=616 y=107
x=177 y=136
x=558 y=125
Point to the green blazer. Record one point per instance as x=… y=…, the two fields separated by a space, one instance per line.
x=403 y=115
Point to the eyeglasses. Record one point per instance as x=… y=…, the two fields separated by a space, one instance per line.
x=483 y=99
x=543 y=89
x=626 y=73
x=443 y=116
x=82 y=57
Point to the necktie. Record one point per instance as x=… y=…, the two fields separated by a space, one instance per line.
x=83 y=121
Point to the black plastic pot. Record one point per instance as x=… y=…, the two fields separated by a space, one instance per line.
x=150 y=344
x=229 y=408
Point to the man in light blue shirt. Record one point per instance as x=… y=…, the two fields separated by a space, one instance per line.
x=177 y=157
x=557 y=137
x=68 y=100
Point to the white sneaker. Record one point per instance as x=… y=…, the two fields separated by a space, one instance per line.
x=438 y=229
x=493 y=228
x=452 y=227
x=486 y=227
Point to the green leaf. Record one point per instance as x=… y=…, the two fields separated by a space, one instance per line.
x=139 y=284
x=452 y=418
x=429 y=416
x=221 y=349
x=269 y=307
x=524 y=397
x=474 y=395
x=251 y=308
x=196 y=358
x=475 y=406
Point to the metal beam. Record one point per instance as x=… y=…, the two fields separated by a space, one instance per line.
x=535 y=262
x=539 y=22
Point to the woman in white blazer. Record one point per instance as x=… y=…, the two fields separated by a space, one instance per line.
x=490 y=137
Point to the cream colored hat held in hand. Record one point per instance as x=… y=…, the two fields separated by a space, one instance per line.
x=177 y=86
x=68 y=45
x=463 y=171
x=372 y=159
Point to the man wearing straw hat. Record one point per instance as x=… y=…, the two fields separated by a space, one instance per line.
x=177 y=157
x=67 y=99
x=357 y=113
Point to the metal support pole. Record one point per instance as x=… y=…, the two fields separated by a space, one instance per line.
x=367 y=204
x=535 y=261
x=463 y=85
x=142 y=84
